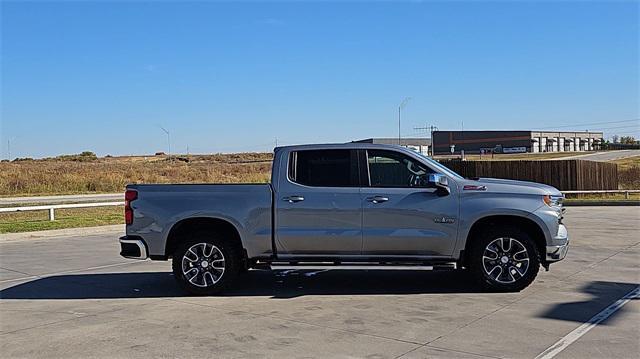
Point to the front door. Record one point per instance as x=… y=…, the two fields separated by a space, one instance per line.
x=401 y=215
x=318 y=207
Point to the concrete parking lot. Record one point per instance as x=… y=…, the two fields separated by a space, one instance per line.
x=75 y=297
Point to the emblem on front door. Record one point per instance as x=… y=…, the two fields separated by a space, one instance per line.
x=444 y=220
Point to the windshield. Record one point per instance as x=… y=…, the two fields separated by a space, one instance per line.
x=439 y=166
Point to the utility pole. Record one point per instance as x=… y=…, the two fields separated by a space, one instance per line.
x=402 y=105
x=429 y=129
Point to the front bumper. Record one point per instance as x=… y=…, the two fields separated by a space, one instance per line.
x=133 y=247
x=559 y=250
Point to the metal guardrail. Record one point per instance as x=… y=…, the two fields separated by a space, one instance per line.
x=73 y=198
x=52 y=207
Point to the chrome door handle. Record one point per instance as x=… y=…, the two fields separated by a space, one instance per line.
x=377 y=199
x=293 y=199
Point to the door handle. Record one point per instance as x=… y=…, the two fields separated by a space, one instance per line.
x=293 y=199
x=377 y=199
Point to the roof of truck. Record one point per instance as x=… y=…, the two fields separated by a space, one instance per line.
x=318 y=146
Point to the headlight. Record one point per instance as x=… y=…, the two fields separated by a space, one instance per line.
x=553 y=201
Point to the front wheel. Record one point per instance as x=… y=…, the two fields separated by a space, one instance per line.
x=504 y=259
x=205 y=264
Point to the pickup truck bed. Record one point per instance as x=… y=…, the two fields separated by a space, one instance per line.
x=159 y=208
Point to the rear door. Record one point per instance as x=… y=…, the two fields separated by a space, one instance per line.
x=318 y=205
x=401 y=215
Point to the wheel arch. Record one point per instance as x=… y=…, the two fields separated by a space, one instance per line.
x=181 y=229
x=528 y=225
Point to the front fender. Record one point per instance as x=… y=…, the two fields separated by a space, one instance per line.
x=476 y=206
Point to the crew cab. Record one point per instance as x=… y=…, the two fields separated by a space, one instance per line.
x=348 y=205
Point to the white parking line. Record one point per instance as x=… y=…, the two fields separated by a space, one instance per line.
x=561 y=344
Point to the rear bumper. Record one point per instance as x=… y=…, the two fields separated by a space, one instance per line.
x=133 y=248
x=559 y=250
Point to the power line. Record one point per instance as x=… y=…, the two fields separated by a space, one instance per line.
x=613 y=128
x=589 y=124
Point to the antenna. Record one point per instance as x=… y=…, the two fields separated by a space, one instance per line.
x=429 y=129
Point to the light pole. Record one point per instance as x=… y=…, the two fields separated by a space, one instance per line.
x=9 y=147
x=402 y=105
x=168 y=140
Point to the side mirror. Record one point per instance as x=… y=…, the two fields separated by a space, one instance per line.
x=440 y=182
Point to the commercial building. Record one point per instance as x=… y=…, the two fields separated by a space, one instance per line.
x=515 y=141
x=421 y=145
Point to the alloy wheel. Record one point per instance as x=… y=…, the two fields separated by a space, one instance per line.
x=505 y=260
x=203 y=264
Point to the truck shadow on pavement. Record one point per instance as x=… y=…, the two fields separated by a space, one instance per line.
x=602 y=294
x=277 y=284
x=286 y=284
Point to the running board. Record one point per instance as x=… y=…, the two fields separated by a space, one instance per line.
x=353 y=266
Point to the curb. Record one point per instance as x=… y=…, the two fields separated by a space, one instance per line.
x=67 y=232
x=601 y=203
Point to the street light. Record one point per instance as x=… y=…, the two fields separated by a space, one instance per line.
x=402 y=105
x=168 y=140
x=9 y=146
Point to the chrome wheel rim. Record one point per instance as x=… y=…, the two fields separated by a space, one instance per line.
x=203 y=264
x=505 y=260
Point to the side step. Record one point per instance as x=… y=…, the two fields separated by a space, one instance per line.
x=352 y=266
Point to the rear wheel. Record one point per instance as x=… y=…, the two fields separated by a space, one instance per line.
x=504 y=259
x=205 y=264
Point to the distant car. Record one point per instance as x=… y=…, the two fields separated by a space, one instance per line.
x=348 y=205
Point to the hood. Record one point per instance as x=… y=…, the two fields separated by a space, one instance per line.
x=497 y=185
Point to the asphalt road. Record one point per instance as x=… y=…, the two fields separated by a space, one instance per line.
x=75 y=297
x=605 y=156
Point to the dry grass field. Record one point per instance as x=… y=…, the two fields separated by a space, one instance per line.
x=85 y=174
x=629 y=172
x=111 y=174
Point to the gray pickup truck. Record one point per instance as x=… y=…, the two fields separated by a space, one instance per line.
x=348 y=205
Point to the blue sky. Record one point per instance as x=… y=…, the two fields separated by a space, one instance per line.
x=229 y=77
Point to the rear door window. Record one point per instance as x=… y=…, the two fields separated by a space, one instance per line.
x=324 y=168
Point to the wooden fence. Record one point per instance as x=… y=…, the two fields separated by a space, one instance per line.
x=565 y=175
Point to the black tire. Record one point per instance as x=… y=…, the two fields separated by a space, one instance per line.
x=497 y=275
x=199 y=243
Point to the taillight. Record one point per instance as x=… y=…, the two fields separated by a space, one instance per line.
x=129 y=196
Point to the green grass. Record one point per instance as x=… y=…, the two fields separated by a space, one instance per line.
x=602 y=196
x=65 y=218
